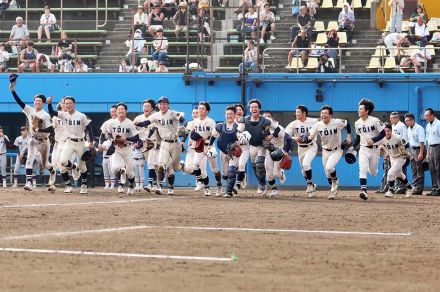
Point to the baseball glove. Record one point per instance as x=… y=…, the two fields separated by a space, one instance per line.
x=36 y=123
x=234 y=149
x=200 y=146
x=148 y=145
x=88 y=154
x=304 y=138
x=286 y=162
x=119 y=141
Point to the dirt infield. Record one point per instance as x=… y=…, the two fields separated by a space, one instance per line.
x=292 y=243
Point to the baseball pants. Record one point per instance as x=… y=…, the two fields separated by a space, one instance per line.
x=244 y=157
x=139 y=172
x=417 y=171
x=368 y=161
x=227 y=161
x=434 y=165
x=3 y=165
x=189 y=160
x=199 y=162
x=255 y=151
x=71 y=147
x=123 y=158
x=17 y=165
x=395 y=170
x=306 y=156
x=169 y=155
x=273 y=169
x=330 y=159
x=213 y=164
x=42 y=147
x=109 y=175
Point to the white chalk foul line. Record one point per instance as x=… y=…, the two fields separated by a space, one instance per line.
x=82 y=203
x=228 y=229
x=114 y=254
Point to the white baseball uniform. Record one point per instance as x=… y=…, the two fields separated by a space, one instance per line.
x=109 y=175
x=306 y=151
x=395 y=148
x=273 y=169
x=189 y=157
x=204 y=128
x=138 y=167
x=22 y=144
x=331 y=140
x=368 y=155
x=3 y=141
x=60 y=140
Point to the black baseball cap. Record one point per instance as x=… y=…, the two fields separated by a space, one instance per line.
x=163 y=99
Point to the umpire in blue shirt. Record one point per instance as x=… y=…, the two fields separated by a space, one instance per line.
x=433 y=156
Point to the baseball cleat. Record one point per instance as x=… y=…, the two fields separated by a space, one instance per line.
x=262 y=190
x=28 y=186
x=335 y=185
x=14 y=185
x=409 y=192
x=199 y=186
x=159 y=191
x=68 y=189
x=283 y=177
x=121 y=190
x=311 y=188
x=219 y=191
x=331 y=196
x=228 y=195
x=52 y=178
x=170 y=192
x=207 y=192
x=51 y=188
x=75 y=172
x=363 y=195
x=83 y=189
x=130 y=191
x=148 y=188
x=106 y=187
x=235 y=190
x=389 y=194
x=274 y=193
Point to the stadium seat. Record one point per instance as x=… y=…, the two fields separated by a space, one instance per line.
x=430 y=49
x=342 y=37
x=390 y=64
x=411 y=50
x=380 y=52
x=295 y=64
x=312 y=64
x=405 y=25
x=327 y=4
x=332 y=25
x=368 y=4
x=374 y=64
x=432 y=26
x=339 y=4
x=319 y=26
x=321 y=38
x=356 y=4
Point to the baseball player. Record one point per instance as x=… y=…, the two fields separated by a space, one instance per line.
x=370 y=131
x=244 y=138
x=273 y=169
x=203 y=127
x=3 y=141
x=101 y=147
x=396 y=148
x=109 y=175
x=138 y=167
x=260 y=129
x=226 y=135
x=168 y=124
x=40 y=129
x=399 y=128
x=307 y=149
x=123 y=133
x=330 y=131
x=60 y=137
x=77 y=126
x=148 y=133
x=187 y=165
x=21 y=142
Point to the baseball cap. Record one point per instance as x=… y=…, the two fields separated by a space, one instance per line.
x=161 y=63
x=163 y=99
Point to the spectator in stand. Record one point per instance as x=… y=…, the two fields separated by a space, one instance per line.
x=124 y=67
x=249 y=24
x=156 y=20
x=396 y=7
x=333 y=44
x=324 y=65
x=140 y=20
x=47 y=23
x=346 y=21
x=250 y=58
x=302 y=43
x=136 y=47
x=4 y=58
x=64 y=47
x=4 y=4
x=267 y=23
x=394 y=43
x=312 y=5
x=304 y=23
x=244 y=6
x=80 y=66
x=181 y=19
x=162 y=68
x=43 y=60
x=160 y=45
x=148 y=4
x=143 y=67
x=421 y=32
x=203 y=4
x=193 y=7
x=28 y=58
x=203 y=28
x=169 y=8
x=415 y=16
x=418 y=59
x=19 y=34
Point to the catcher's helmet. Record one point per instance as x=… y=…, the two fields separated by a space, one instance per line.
x=277 y=155
x=350 y=157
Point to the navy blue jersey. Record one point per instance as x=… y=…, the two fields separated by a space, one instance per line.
x=226 y=136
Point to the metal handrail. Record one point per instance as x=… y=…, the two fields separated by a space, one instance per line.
x=382 y=68
x=97 y=14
